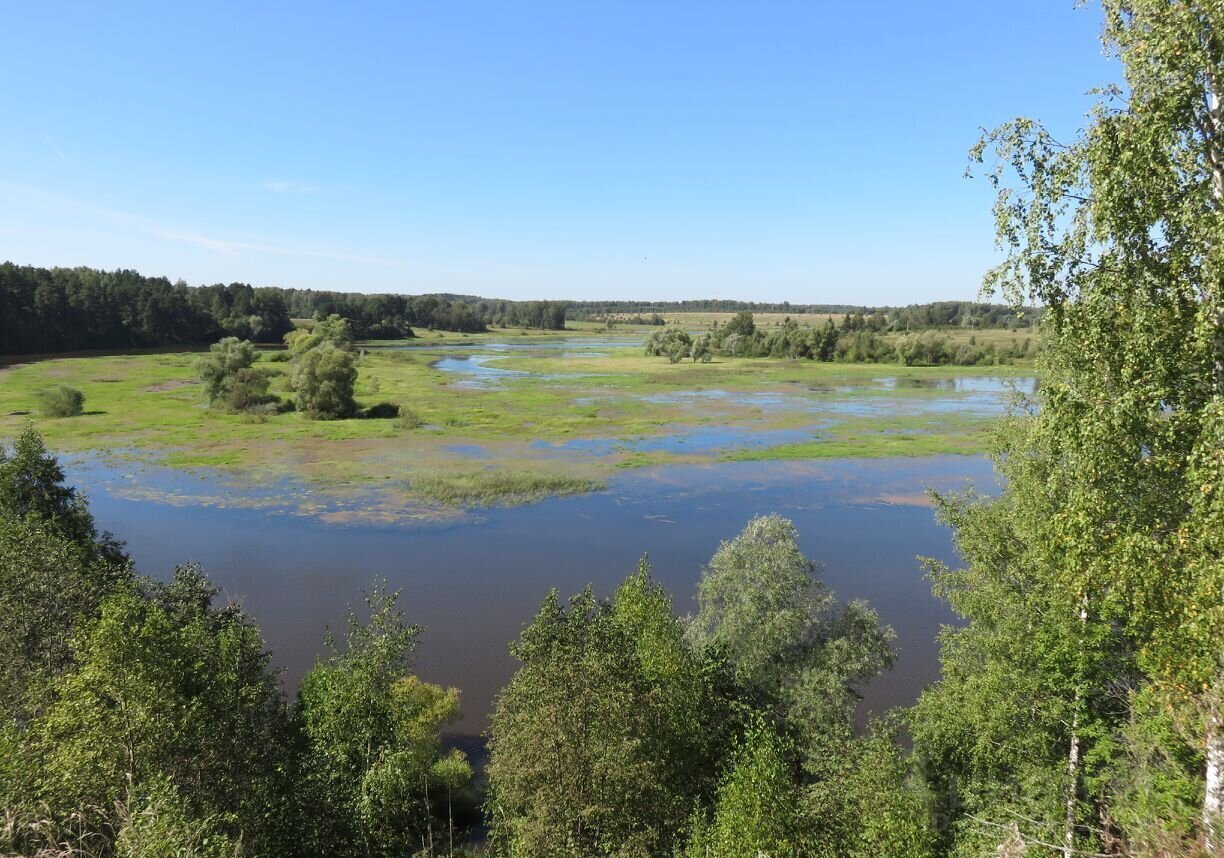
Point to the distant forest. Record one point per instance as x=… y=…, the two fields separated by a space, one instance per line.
x=70 y=309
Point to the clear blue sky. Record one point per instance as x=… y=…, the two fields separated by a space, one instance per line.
x=807 y=151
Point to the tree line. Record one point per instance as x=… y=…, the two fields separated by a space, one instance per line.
x=855 y=340
x=914 y=317
x=69 y=309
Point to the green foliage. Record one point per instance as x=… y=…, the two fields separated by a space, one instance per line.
x=381 y=411
x=50 y=586
x=788 y=640
x=332 y=329
x=375 y=774
x=1092 y=585
x=672 y=342
x=487 y=487
x=757 y=808
x=160 y=824
x=323 y=378
x=702 y=349
x=741 y=325
x=32 y=484
x=863 y=801
x=61 y=401
x=224 y=359
x=167 y=686
x=608 y=732
x=229 y=378
x=407 y=418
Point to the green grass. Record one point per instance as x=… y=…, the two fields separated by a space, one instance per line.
x=496 y=488
x=149 y=406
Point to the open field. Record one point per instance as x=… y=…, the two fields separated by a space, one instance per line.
x=529 y=416
x=765 y=320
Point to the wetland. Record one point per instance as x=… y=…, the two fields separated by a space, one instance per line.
x=540 y=461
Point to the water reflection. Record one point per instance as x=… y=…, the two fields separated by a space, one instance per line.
x=474 y=582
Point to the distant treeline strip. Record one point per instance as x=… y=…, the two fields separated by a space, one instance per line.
x=940 y=314
x=68 y=309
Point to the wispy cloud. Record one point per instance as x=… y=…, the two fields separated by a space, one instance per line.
x=286 y=186
x=55 y=147
x=30 y=197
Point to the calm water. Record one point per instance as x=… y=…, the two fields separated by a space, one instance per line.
x=475 y=583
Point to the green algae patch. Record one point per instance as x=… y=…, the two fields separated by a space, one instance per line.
x=496 y=487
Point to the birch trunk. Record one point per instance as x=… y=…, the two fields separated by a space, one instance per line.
x=1213 y=799
x=1213 y=794
x=1073 y=764
x=1073 y=758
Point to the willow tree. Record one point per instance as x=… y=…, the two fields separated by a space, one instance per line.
x=1116 y=525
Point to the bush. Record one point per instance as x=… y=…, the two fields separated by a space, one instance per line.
x=409 y=419
x=61 y=401
x=667 y=342
x=323 y=380
x=247 y=390
x=223 y=361
x=382 y=411
x=276 y=357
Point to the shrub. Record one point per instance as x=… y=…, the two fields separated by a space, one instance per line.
x=247 y=390
x=409 y=419
x=223 y=361
x=382 y=411
x=323 y=380
x=61 y=401
x=665 y=342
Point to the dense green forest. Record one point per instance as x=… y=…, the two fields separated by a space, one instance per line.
x=65 y=309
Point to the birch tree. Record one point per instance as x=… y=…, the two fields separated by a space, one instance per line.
x=1116 y=482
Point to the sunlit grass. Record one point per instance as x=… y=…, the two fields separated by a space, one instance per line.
x=151 y=405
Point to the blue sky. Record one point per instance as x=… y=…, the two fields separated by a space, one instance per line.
x=809 y=151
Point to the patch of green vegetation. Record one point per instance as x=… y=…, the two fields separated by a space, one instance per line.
x=150 y=406
x=496 y=488
x=875 y=445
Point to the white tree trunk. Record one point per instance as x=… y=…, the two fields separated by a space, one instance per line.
x=1073 y=764
x=1213 y=797
x=1073 y=757
x=1213 y=794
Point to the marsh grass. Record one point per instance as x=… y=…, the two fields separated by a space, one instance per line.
x=496 y=488
x=152 y=407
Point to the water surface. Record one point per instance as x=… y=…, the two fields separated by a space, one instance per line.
x=474 y=583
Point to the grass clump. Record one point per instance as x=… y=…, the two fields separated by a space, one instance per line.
x=496 y=488
x=408 y=419
x=61 y=401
